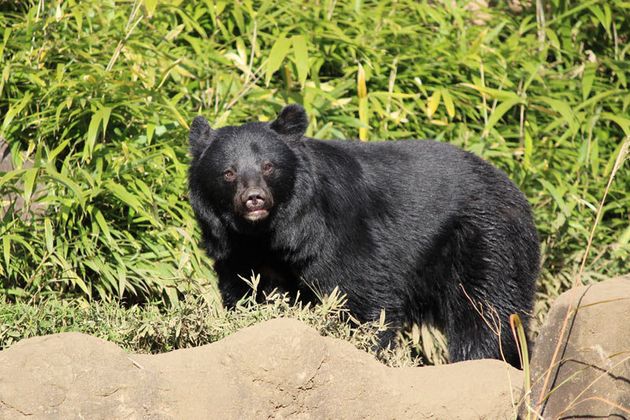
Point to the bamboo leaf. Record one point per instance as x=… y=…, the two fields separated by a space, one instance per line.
x=6 y=250
x=29 y=178
x=100 y=220
x=529 y=150
x=557 y=196
x=4 y=179
x=448 y=103
x=52 y=173
x=603 y=16
x=300 y=51
x=123 y=195
x=433 y=102
x=150 y=6
x=55 y=152
x=178 y=116
x=499 y=112
x=622 y=122
x=363 y=103
x=501 y=95
x=48 y=234
x=4 y=77
x=564 y=109
x=90 y=141
x=105 y=113
x=587 y=79
x=15 y=110
x=5 y=39
x=276 y=56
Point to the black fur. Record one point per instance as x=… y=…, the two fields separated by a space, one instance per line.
x=419 y=228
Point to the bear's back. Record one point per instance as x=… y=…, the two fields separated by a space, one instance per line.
x=418 y=168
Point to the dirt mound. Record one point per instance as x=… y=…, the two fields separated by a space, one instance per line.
x=279 y=368
x=72 y=375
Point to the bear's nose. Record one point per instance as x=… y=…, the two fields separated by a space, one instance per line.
x=254 y=198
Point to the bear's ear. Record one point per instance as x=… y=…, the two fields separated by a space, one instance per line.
x=200 y=136
x=291 y=122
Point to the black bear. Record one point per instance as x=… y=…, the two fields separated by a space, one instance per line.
x=421 y=229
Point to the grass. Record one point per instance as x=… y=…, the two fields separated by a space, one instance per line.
x=195 y=322
x=95 y=98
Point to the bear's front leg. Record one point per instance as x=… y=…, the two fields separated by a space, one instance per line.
x=232 y=287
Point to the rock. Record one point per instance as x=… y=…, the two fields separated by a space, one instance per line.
x=592 y=378
x=280 y=368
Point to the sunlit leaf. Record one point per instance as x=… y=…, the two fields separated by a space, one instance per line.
x=493 y=93
x=499 y=112
x=48 y=234
x=15 y=110
x=29 y=178
x=448 y=103
x=568 y=115
x=433 y=102
x=587 y=79
x=276 y=56
x=300 y=50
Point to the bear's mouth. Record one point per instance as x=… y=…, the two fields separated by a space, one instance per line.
x=256 y=215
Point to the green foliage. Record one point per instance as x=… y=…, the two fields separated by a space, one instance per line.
x=97 y=95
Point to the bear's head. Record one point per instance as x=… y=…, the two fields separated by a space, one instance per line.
x=243 y=174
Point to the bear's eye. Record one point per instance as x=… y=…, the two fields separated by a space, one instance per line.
x=229 y=175
x=267 y=168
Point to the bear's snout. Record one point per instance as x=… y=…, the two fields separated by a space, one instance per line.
x=255 y=202
x=254 y=198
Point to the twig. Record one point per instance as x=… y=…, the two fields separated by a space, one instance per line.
x=129 y=28
x=606 y=372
